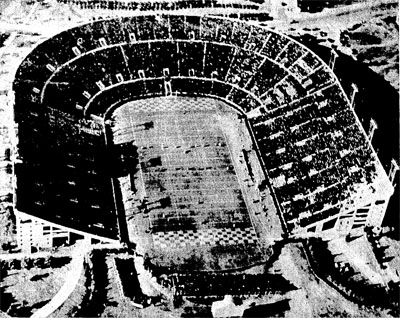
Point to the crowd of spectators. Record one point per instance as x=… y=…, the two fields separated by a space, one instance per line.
x=307 y=134
x=211 y=284
x=208 y=48
x=63 y=177
x=310 y=175
x=157 y=5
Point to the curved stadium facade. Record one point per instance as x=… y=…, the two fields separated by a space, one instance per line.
x=318 y=161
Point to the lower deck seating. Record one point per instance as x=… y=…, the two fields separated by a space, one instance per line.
x=213 y=284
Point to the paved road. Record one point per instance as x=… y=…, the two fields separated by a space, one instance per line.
x=12 y=256
x=71 y=280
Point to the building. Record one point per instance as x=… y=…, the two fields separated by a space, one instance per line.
x=321 y=168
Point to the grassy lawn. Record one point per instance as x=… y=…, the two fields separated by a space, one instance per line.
x=23 y=291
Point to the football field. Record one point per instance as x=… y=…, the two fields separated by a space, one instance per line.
x=185 y=192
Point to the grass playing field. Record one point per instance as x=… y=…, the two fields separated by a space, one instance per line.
x=185 y=195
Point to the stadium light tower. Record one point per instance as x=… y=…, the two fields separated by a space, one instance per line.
x=353 y=94
x=332 y=59
x=394 y=167
x=372 y=127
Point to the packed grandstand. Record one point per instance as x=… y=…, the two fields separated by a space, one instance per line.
x=208 y=150
x=311 y=144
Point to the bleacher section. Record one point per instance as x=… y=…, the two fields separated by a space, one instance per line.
x=312 y=146
x=210 y=285
x=158 y=5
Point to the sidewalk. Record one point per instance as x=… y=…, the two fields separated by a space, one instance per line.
x=70 y=280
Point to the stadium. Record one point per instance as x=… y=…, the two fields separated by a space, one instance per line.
x=188 y=135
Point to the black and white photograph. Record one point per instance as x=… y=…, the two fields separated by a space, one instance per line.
x=199 y=158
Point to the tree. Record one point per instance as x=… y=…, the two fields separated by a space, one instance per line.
x=7 y=234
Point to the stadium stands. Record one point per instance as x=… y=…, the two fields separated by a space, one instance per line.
x=209 y=285
x=157 y=5
x=310 y=141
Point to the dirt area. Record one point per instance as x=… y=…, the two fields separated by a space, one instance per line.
x=314 y=298
x=394 y=249
x=370 y=35
x=311 y=296
x=360 y=255
x=118 y=304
